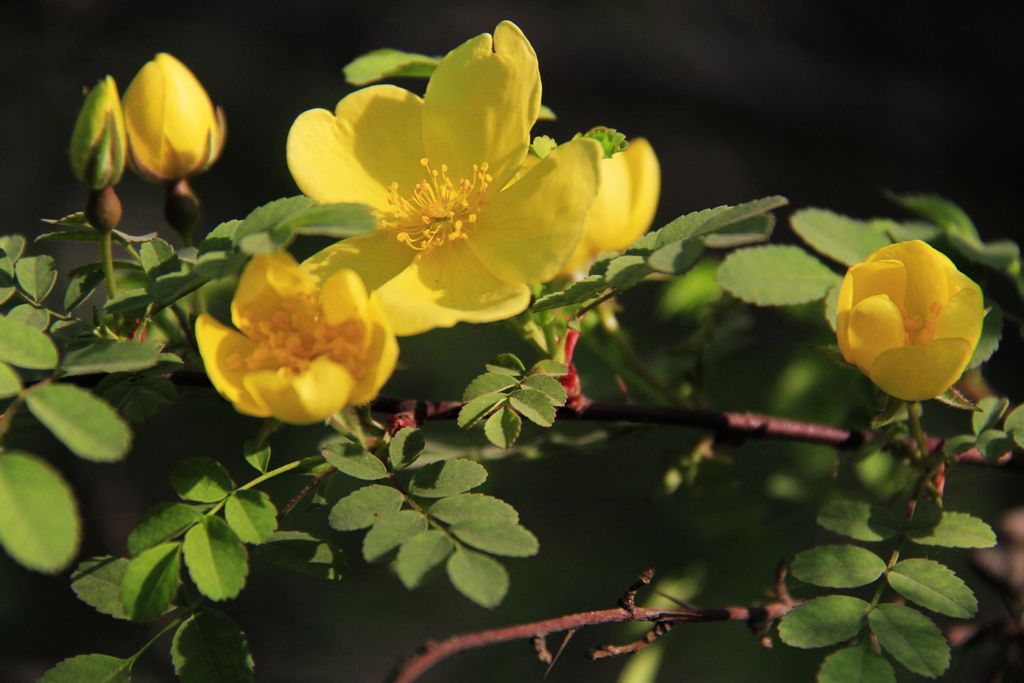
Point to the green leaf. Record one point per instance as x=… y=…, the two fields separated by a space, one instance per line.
x=991 y=334
x=208 y=646
x=705 y=222
x=837 y=566
x=137 y=398
x=1000 y=255
x=911 y=638
x=161 y=523
x=301 y=552
x=467 y=507
x=103 y=355
x=857 y=664
x=480 y=578
x=405 y=447
x=36 y=275
x=13 y=246
x=83 y=422
x=216 y=559
x=10 y=381
x=549 y=386
x=388 y=63
x=952 y=530
x=27 y=314
x=958 y=444
x=355 y=461
x=442 y=479
x=550 y=368
x=934 y=586
x=832 y=307
x=128 y=302
x=939 y=211
x=497 y=537
x=337 y=221
x=364 y=507
x=97 y=583
x=579 y=292
x=534 y=406
x=823 y=621
x=81 y=285
x=676 y=258
x=266 y=224
x=994 y=443
x=420 y=554
x=775 y=275
x=251 y=515
x=506 y=364
x=26 y=347
x=502 y=428
x=858 y=520
x=158 y=254
x=39 y=524
x=203 y=480
x=391 y=531
x=473 y=411
x=259 y=458
x=838 y=237
x=93 y=668
x=1015 y=425
x=489 y=383
x=150 y=581
x=992 y=410
x=626 y=271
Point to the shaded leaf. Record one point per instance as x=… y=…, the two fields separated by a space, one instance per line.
x=150 y=581
x=857 y=664
x=161 y=523
x=911 y=638
x=467 y=507
x=10 y=381
x=355 y=461
x=497 y=537
x=934 y=586
x=419 y=555
x=442 y=479
x=93 y=668
x=992 y=410
x=502 y=428
x=823 y=621
x=858 y=520
x=97 y=583
x=952 y=530
x=473 y=411
x=388 y=63
x=216 y=559
x=406 y=445
x=201 y=479
x=391 y=531
x=480 y=578
x=1015 y=425
x=26 y=347
x=364 y=507
x=489 y=383
x=83 y=422
x=301 y=552
x=208 y=646
x=534 y=406
x=103 y=355
x=36 y=276
x=251 y=515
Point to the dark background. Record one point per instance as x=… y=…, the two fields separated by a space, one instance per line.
x=829 y=104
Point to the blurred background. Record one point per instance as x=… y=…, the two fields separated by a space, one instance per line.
x=829 y=104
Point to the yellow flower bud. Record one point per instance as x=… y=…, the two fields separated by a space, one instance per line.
x=909 y=320
x=98 y=142
x=174 y=131
x=301 y=351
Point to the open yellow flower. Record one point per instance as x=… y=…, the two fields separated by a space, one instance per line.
x=624 y=208
x=304 y=350
x=909 y=320
x=174 y=131
x=455 y=242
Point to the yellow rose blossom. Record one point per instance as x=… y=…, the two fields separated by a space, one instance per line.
x=174 y=131
x=909 y=320
x=304 y=350
x=624 y=208
x=455 y=241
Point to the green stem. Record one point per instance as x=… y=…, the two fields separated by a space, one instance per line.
x=107 y=257
x=914 y=412
x=173 y=624
x=262 y=478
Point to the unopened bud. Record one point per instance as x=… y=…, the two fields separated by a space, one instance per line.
x=98 y=143
x=103 y=209
x=181 y=209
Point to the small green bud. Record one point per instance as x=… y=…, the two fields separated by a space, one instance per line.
x=543 y=146
x=612 y=141
x=98 y=143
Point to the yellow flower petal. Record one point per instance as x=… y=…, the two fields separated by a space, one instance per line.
x=875 y=326
x=312 y=395
x=268 y=281
x=926 y=277
x=372 y=140
x=645 y=175
x=529 y=230
x=481 y=103
x=608 y=220
x=922 y=371
x=381 y=355
x=446 y=286
x=376 y=257
x=343 y=297
x=886 y=276
x=223 y=351
x=962 y=317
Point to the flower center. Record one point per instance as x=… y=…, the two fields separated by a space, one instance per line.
x=438 y=209
x=295 y=334
x=918 y=330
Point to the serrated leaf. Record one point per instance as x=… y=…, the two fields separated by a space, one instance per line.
x=161 y=523
x=338 y=221
x=216 y=559
x=97 y=583
x=158 y=254
x=355 y=461
x=992 y=410
x=837 y=566
x=551 y=368
x=203 y=480
x=775 y=275
x=10 y=381
x=954 y=399
x=1014 y=425
x=442 y=479
x=208 y=646
x=751 y=230
x=705 y=222
x=103 y=355
x=934 y=586
x=39 y=523
x=1000 y=255
x=391 y=531
x=991 y=334
x=939 y=211
x=473 y=411
x=838 y=237
x=13 y=246
x=506 y=364
x=911 y=638
x=823 y=621
x=676 y=258
x=489 y=383
x=251 y=515
x=406 y=445
x=128 y=301
x=83 y=422
x=579 y=292
x=301 y=552
x=364 y=507
x=28 y=314
x=502 y=428
x=626 y=271
x=467 y=507
x=549 y=386
x=26 y=347
x=480 y=578
x=36 y=275
x=857 y=519
x=150 y=581
x=265 y=229
x=497 y=537
x=388 y=63
x=952 y=530
x=94 y=668
x=534 y=406
x=137 y=398
x=857 y=664
x=419 y=555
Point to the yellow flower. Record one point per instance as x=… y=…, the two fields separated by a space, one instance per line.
x=98 y=142
x=455 y=242
x=173 y=129
x=909 y=320
x=627 y=199
x=304 y=351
